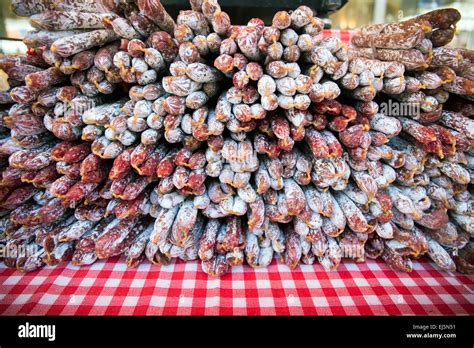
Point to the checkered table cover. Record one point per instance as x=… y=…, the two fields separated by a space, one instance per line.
x=344 y=35
x=109 y=288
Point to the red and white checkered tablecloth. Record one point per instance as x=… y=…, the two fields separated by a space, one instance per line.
x=344 y=35
x=109 y=288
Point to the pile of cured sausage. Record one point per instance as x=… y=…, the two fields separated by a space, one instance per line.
x=125 y=131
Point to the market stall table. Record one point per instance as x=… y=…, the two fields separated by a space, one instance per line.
x=109 y=288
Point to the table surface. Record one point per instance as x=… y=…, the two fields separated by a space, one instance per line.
x=109 y=288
